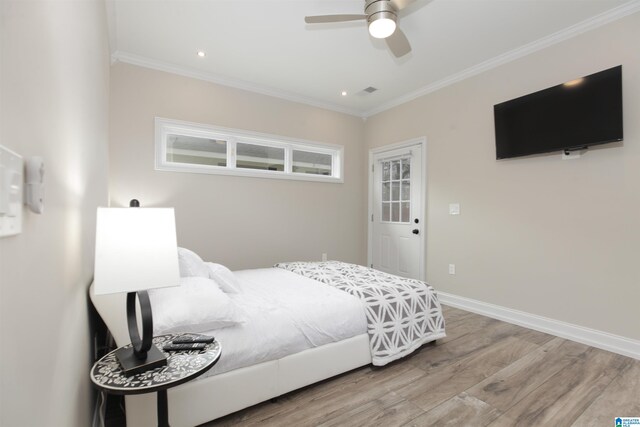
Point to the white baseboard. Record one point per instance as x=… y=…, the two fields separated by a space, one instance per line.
x=603 y=340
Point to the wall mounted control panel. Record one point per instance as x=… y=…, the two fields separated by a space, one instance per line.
x=11 y=170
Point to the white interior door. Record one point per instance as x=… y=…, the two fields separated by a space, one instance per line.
x=397 y=212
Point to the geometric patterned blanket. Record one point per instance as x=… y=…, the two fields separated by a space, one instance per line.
x=402 y=314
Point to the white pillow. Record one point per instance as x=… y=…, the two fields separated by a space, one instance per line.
x=191 y=264
x=223 y=277
x=197 y=305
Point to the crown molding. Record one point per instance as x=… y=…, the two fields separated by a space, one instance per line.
x=142 y=61
x=614 y=14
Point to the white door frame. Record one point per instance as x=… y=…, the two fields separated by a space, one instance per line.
x=422 y=141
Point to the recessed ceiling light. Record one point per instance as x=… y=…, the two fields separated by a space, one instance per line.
x=343 y=93
x=201 y=54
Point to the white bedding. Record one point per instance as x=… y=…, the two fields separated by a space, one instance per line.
x=286 y=313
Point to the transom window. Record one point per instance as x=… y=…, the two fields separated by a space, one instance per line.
x=198 y=151
x=396 y=190
x=190 y=147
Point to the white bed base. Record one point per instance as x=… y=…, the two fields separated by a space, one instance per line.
x=208 y=398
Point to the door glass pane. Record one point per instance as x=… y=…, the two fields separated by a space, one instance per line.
x=395 y=191
x=395 y=212
x=395 y=169
x=406 y=190
x=385 y=171
x=405 y=212
x=196 y=151
x=396 y=188
x=386 y=191
x=386 y=209
x=251 y=156
x=406 y=168
x=313 y=163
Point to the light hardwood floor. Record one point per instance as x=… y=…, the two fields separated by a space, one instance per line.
x=484 y=373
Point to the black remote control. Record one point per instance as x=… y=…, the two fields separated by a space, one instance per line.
x=184 y=347
x=191 y=339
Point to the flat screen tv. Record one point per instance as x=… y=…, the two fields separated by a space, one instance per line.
x=569 y=116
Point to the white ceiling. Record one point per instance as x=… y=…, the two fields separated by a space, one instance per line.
x=265 y=45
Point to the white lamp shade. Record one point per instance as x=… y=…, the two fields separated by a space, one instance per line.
x=136 y=250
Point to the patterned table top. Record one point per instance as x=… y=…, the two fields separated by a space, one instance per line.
x=181 y=367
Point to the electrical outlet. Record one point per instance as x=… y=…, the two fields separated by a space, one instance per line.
x=454 y=208
x=452 y=269
x=324 y=257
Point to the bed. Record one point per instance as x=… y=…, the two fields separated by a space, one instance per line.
x=301 y=323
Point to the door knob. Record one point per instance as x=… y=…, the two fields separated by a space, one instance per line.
x=416 y=231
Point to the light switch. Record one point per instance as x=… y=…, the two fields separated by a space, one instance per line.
x=11 y=169
x=454 y=208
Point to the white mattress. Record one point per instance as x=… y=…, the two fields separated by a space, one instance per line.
x=286 y=313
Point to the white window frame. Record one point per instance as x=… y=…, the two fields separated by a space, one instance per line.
x=165 y=127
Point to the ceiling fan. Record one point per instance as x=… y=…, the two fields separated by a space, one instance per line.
x=381 y=16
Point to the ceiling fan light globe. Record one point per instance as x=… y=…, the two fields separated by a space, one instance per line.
x=382 y=28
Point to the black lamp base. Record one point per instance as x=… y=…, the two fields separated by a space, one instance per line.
x=131 y=365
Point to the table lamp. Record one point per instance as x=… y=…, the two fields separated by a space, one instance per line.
x=136 y=250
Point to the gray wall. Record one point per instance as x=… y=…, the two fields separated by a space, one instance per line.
x=543 y=235
x=54 y=104
x=237 y=221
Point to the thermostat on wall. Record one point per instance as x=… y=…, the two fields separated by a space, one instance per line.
x=11 y=167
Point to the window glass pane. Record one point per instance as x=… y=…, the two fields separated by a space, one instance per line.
x=196 y=151
x=395 y=212
x=405 y=212
x=385 y=211
x=406 y=190
x=314 y=163
x=395 y=191
x=395 y=169
x=406 y=168
x=385 y=171
x=251 y=156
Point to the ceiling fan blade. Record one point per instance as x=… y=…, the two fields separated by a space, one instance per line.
x=319 y=19
x=398 y=43
x=401 y=4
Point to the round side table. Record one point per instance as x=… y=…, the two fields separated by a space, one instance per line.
x=182 y=366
